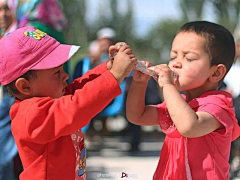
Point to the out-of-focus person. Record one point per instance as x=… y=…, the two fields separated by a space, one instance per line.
x=97 y=54
x=232 y=85
x=231 y=79
x=88 y=62
x=7 y=21
x=105 y=37
x=8 y=148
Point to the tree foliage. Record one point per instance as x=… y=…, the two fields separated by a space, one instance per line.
x=156 y=46
x=227 y=12
x=191 y=10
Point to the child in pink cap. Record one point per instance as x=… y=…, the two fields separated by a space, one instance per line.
x=48 y=114
x=200 y=125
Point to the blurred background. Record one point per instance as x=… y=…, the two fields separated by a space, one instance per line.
x=148 y=26
x=116 y=148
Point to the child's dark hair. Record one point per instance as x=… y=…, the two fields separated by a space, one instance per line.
x=219 y=45
x=11 y=88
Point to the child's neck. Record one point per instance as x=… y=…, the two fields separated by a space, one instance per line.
x=194 y=93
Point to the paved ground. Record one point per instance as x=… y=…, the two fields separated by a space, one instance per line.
x=113 y=161
x=108 y=157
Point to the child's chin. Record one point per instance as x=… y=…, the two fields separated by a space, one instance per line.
x=180 y=89
x=63 y=93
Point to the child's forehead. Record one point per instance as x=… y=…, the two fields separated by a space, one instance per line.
x=49 y=70
x=189 y=40
x=190 y=35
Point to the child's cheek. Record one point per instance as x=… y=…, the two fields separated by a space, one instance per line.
x=189 y=72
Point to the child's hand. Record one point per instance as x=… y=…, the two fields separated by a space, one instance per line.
x=123 y=63
x=113 y=49
x=141 y=77
x=165 y=75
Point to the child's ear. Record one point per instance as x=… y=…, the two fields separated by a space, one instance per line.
x=218 y=73
x=23 y=86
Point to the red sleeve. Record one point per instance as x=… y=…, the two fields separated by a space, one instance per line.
x=219 y=105
x=88 y=76
x=45 y=119
x=220 y=114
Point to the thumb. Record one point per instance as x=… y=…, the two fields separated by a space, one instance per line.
x=112 y=49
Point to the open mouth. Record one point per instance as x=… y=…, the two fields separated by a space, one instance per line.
x=63 y=91
x=175 y=75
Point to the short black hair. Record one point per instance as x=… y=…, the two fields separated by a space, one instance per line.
x=219 y=45
x=11 y=88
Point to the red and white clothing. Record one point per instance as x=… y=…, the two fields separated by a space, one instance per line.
x=47 y=132
x=201 y=158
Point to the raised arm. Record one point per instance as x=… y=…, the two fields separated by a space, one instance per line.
x=88 y=76
x=47 y=119
x=188 y=122
x=136 y=111
x=120 y=68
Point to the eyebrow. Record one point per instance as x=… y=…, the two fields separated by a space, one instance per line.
x=185 y=52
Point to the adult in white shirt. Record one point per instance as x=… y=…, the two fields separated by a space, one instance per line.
x=233 y=86
x=232 y=78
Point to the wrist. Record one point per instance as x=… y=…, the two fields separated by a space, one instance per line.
x=169 y=86
x=140 y=83
x=117 y=76
x=141 y=80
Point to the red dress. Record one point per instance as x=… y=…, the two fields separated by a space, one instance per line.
x=201 y=158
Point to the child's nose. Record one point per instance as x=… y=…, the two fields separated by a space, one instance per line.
x=177 y=64
x=66 y=76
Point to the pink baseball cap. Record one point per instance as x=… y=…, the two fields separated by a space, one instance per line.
x=27 y=49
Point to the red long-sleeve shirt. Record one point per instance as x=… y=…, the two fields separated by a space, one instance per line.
x=42 y=126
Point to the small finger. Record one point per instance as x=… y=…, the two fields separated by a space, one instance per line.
x=128 y=51
x=124 y=48
x=131 y=56
x=148 y=64
x=119 y=45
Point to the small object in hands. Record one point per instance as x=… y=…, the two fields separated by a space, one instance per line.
x=149 y=70
x=122 y=44
x=140 y=65
x=144 y=69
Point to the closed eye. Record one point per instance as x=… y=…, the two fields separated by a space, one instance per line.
x=189 y=60
x=57 y=72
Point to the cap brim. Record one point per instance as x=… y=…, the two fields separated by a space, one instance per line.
x=57 y=57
